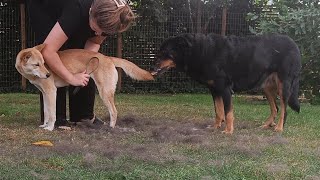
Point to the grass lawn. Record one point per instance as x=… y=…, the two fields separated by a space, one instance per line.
x=159 y=137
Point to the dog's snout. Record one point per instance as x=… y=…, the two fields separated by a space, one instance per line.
x=155 y=69
x=48 y=75
x=154 y=73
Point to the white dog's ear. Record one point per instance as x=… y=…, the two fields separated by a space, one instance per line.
x=40 y=47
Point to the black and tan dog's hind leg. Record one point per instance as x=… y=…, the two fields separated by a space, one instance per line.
x=270 y=88
x=288 y=95
x=288 y=90
x=283 y=108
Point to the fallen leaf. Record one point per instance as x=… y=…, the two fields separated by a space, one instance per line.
x=43 y=143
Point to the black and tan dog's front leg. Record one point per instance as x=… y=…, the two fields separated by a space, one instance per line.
x=219 y=110
x=218 y=106
x=223 y=106
x=228 y=110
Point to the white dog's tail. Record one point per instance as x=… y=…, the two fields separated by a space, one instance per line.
x=132 y=70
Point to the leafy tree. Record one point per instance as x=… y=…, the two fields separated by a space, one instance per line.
x=197 y=13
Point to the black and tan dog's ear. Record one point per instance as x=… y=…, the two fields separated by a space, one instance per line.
x=40 y=47
x=184 y=41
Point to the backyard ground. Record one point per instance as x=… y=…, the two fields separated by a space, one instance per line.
x=159 y=137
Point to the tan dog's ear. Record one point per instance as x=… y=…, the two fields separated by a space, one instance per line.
x=26 y=56
x=40 y=47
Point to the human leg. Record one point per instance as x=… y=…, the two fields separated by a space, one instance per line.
x=81 y=104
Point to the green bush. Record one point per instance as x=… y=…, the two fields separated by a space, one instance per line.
x=301 y=21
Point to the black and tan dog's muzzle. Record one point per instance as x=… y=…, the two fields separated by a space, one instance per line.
x=155 y=72
x=162 y=67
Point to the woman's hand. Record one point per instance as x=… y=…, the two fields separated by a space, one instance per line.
x=80 y=79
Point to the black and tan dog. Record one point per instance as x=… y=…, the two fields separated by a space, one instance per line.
x=227 y=64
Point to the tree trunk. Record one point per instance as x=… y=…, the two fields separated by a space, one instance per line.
x=119 y=55
x=199 y=13
x=224 y=21
x=23 y=38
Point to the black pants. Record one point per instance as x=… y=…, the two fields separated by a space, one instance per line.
x=81 y=104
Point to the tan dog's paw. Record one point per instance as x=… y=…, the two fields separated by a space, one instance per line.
x=112 y=125
x=43 y=125
x=67 y=128
x=50 y=128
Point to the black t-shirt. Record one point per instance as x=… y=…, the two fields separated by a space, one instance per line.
x=72 y=15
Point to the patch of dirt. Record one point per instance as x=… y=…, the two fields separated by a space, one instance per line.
x=64 y=147
x=89 y=160
x=277 y=168
x=144 y=139
x=39 y=176
x=312 y=177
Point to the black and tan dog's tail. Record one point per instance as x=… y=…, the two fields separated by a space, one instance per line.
x=293 y=101
x=132 y=70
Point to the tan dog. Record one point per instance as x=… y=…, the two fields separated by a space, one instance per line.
x=31 y=65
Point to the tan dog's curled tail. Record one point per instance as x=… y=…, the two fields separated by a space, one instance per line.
x=132 y=70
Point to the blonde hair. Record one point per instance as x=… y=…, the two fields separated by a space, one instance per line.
x=110 y=18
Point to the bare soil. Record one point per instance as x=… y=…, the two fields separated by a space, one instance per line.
x=150 y=140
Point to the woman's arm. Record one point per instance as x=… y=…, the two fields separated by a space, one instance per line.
x=93 y=44
x=54 y=41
